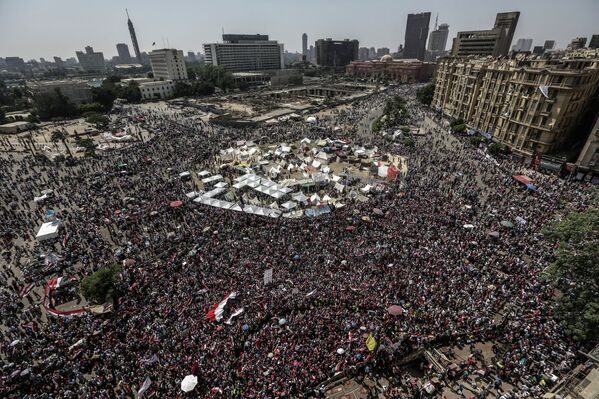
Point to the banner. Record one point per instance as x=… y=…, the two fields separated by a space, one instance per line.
x=144 y=387
x=268 y=276
x=371 y=343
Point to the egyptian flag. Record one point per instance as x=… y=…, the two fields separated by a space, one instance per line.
x=218 y=309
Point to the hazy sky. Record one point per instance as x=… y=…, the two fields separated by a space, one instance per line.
x=45 y=28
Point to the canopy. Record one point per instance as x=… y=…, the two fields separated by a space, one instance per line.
x=189 y=383
x=395 y=310
x=48 y=230
x=176 y=204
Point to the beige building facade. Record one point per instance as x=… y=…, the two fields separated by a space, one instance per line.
x=530 y=104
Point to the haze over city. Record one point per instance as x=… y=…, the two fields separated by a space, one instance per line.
x=57 y=28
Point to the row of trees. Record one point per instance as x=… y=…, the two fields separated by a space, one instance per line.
x=203 y=80
x=575 y=272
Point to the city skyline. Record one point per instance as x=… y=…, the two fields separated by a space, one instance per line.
x=50 y=28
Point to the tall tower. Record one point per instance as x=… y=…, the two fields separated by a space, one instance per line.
x=416 y=35
x=304 y=44
x=133 y=38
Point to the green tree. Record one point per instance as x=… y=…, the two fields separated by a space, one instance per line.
x=104 y=95
x=216 y=76
x=425 y=94
x=91 y=107
x=575 y=271
x=496 y=149
x=129 y=92
x=98 y=120
x=458 y=128
x=201 y=88
x=100 y=286
x=62 y=137
x=54 y=105
x=182 y=89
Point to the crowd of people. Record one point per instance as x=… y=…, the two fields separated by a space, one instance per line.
x=332 y=284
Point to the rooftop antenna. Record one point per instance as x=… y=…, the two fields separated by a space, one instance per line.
x=436 y=21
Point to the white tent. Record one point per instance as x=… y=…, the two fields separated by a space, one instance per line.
x=339 y=187
x=48 y=230
x=184 y=174
x=191 y=194
x=300 y=197
x=306 y=140
x=326 y=198
x=315 y=198
x=336 y=178
x=366 y=188
x=311 y=119
x=204 y=173
x=289 y=205
x=211 y=179
x=222 y=184
x=237 y=208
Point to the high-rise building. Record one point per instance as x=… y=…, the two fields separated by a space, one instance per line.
x=305 y=45
x=59 y=62
x=372 y=53
x=416 y=35
x=506 y=23
x=577 y=43
x=538 y=50
x=437 y=40
x=14 y=64
x=91 y=61
x=493 y=42
x=243 y=53
x=382 y=51
x=529 y=103
x=549 y=44
x=312 y=55
x=594 y=43
x=168 y=64
x=191 y=57
x=134 y=39
x=124 y=55
x=522 y=45
x=336 y=53
x=363 y=53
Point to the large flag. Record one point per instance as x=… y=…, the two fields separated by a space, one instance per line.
x=144 y=387
x=216 y=311
x=370 y=343
x=236 y=313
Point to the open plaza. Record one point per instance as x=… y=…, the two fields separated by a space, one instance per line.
x=306 y=255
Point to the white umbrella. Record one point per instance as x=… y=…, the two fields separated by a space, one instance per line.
x=341 y=351
x=189 y=383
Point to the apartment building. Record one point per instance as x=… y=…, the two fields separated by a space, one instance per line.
x=532 y=104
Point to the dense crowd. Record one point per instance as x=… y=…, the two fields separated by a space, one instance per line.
x=331 y=285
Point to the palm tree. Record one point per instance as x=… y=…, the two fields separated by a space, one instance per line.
x=62 y=137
